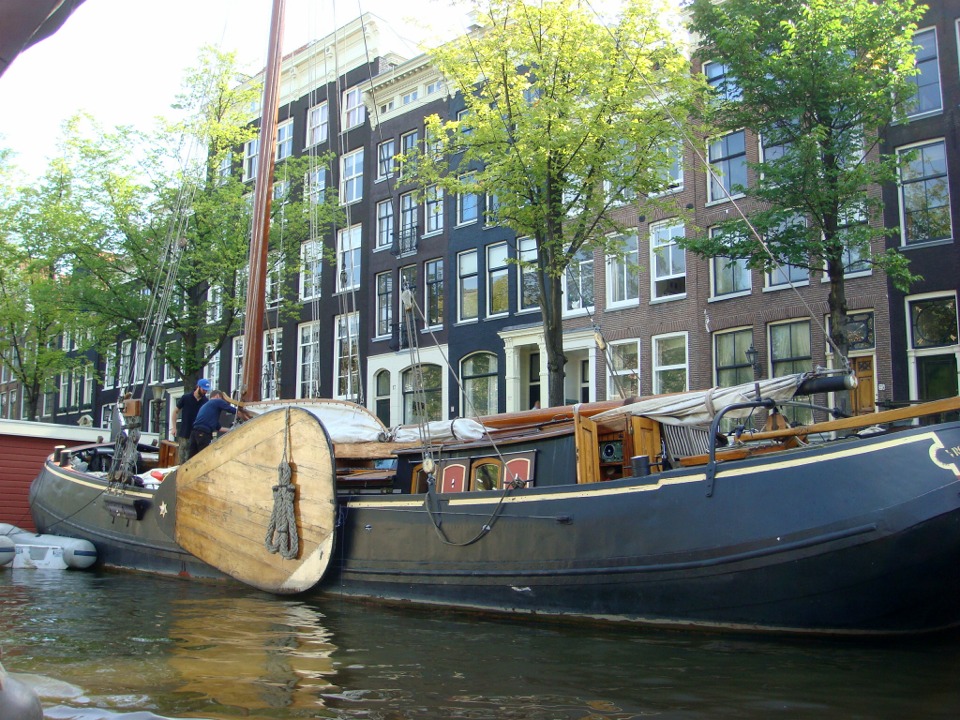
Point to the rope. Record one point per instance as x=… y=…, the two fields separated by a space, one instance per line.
x=282 y=533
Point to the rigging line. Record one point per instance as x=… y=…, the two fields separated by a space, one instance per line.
x=712 y=175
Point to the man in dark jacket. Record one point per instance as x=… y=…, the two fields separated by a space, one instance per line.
x=208 y=421
x=187 y=408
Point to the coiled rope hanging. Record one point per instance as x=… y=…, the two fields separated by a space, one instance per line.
x=282 y=533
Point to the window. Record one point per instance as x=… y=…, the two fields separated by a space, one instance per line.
x=790 y=353
x=730 y=359
x=434 y=87
x=213 y=365
x=786 y=274
x=924 y=193
x=410 y=97
x=624 y=372
x=672 y=174
x=214 y=303
x=346 y=356
x=274 y=289
x=236 y=370
x=284 y=147
x=731 y=276
x=250 y=150
x=354 y=112
x=498 y=290
x=110 y=369
x=384 y=304
x=433 y=292
x=578 y=282
x=727 y=157
x=224 y=168
x=318 y=125
x=311 y=265
x=927 y=80
x=87 y=400
x=670 y=363
x=381 y=384
x=351 y=177
x=308 y=360
x=529 y=285
x=408 y=147
x=468 y=208
x=408 y=283
x=493 y=211
x=668 y=260
x=316 y=181
x=623 y=277
x=468 y=292
x=126 y=357
x=422 y=394
x=933 y=322
x=724 y=85
x=386 y=159
x=384 y=223
x=434 y=209
x=106 y=416
x=348 y=259
x=64 y=390
x=408 y=223
x=139 y=363
x=479 y=376
x=272 y=354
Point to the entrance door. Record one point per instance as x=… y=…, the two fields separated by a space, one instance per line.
x=937 y=379
x=862 y=396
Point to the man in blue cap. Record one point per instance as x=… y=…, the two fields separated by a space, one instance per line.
x=187 y=408
x=207 y=421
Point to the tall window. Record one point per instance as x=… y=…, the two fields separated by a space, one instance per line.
x=384 y=223
x=311 y=264
x=384 y=304
x=318 y=125
x=927 y=80
x=272 y=353
x=434 y=209
x=348 y=259
x=924 y=193
x=790 y=353
x=727 y=157
x=214 y=303
x=479 y=376
x=408 y=148
x=274 y=289
x=346 y=356
x=382 y=388
x=64 y=390
x=110 y=368
x=670 y=363
x=730 y=359
x=87 y=400
x=354 y=112
x=786 y=274
x=529 y=286
x=623 y=275
x=317 y=185
x=433 y=292
x=126 y=358
x=668 y=261
x=351 y=177
x=578 y=282
x=308 y=360
x=284 y=148
x=236 y=369
x=724 y=84
x=408 y=283
x=624 y=374
x=408 y=223
x=212 y=370
x=468 y=291
x=468 y=208
x=422 y=394
x=498 y=289
x=250 y=150
x=386 y=159
x=731 y=276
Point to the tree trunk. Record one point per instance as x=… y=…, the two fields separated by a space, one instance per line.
x=552 y=309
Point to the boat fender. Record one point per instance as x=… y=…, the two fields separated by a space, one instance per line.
x=7 y=550
x=77 y=554
x=18 y=701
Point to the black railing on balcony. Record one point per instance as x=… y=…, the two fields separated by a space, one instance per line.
x=406 y=240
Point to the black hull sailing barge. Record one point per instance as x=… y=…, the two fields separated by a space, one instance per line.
x=631 y=512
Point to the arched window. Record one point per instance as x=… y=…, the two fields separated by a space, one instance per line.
x=382 y=385
x=426 y=405
x=478 y=373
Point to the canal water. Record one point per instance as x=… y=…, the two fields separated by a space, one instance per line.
x=110 y=646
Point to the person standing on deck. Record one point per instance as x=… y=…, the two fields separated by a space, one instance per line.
x=208 y=421
x=187 y=408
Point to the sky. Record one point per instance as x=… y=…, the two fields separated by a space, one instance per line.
x=123 y=61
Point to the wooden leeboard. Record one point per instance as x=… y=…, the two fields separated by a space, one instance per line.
x=225 y=501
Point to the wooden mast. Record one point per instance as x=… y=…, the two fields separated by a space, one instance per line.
x=262 y=194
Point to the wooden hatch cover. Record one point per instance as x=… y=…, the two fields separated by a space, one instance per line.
x=225 y=501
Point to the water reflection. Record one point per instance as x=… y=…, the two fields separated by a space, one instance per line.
x=103 y=647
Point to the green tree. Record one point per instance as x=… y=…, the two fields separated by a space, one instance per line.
x=568 y=118
x=817 y=80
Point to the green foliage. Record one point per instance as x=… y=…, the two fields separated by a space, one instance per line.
x=567 y=119
x=818 y=79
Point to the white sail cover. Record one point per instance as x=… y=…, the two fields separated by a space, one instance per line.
x=701 y=406
x=347 y=422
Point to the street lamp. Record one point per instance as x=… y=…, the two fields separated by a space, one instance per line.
x=157 y=391
x=753 y=360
